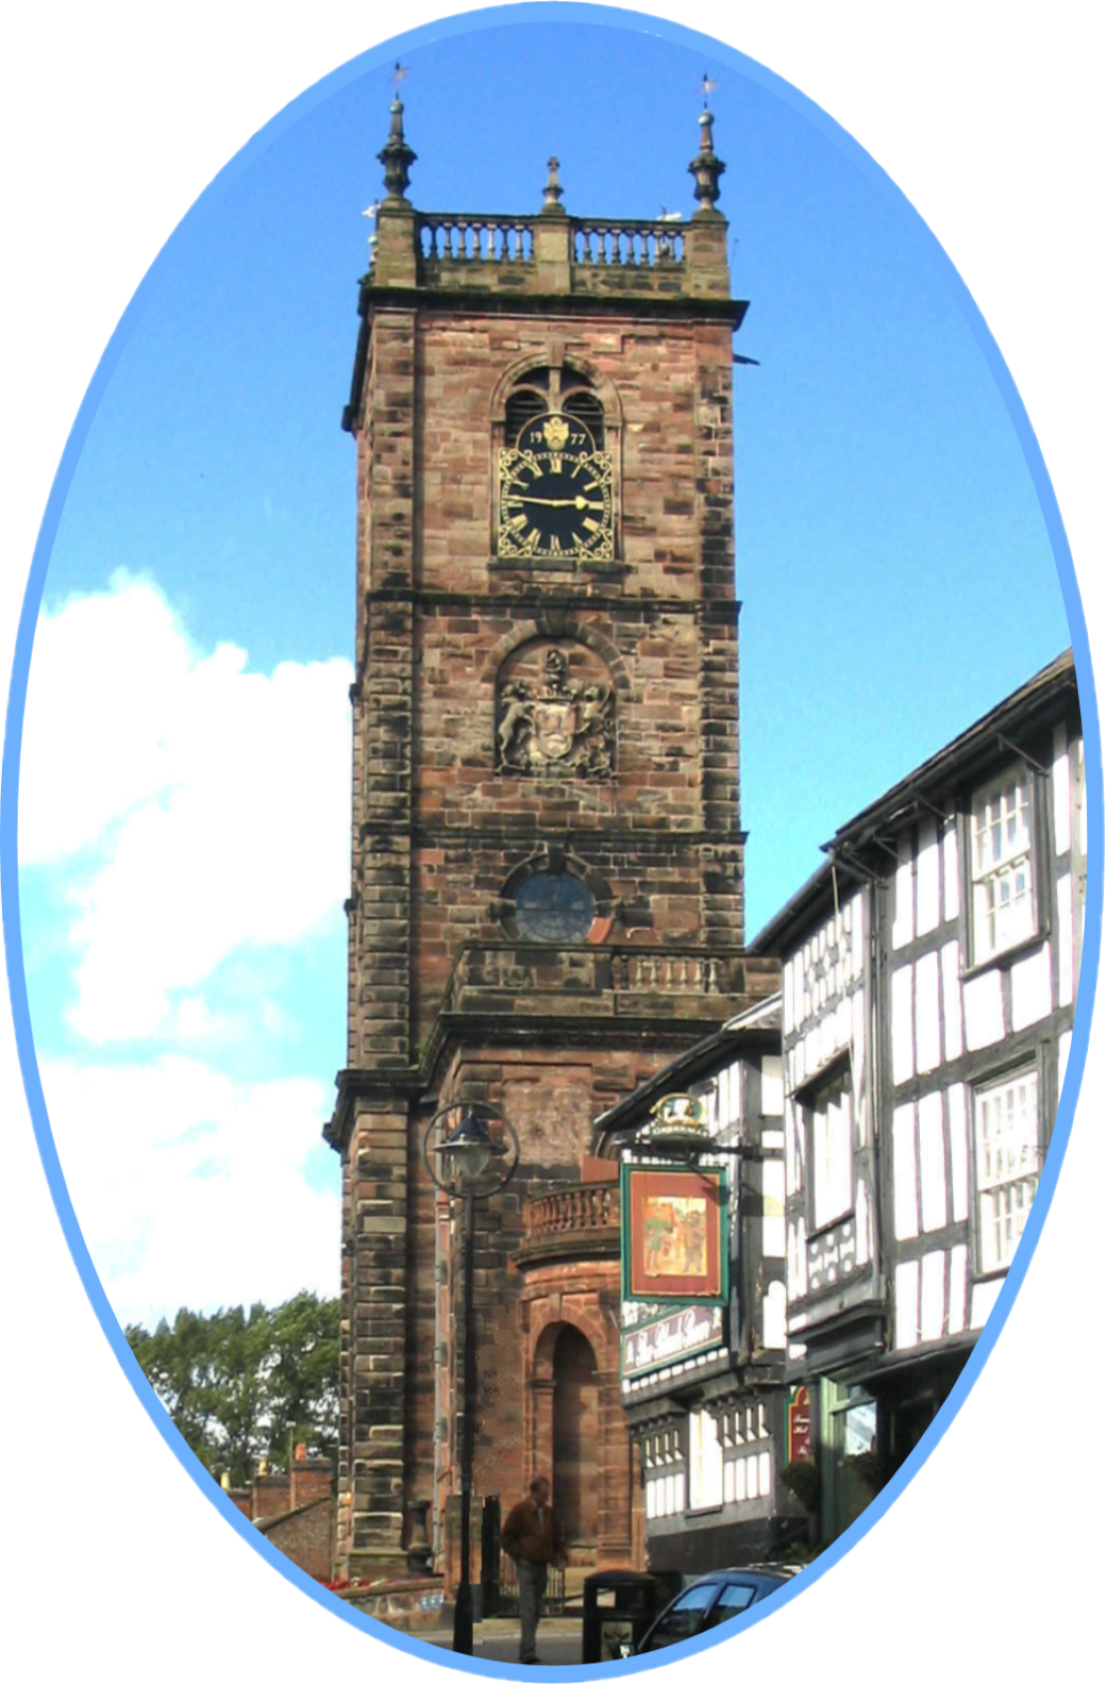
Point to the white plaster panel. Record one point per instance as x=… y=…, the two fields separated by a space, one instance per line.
x=932 y=1310
x=1082 y=807
x=1063 y=1045
x=903 y=1029
x=958 y=1151
x=1065 y=978
x=951 y=873
x=984 y=1296
x=932 y=1163
x=926 y=879
x=772 y=1207
x=951 y=1000
x=1031 y=988
x=903 y=924
x=773 y=1314
x=789 y=1021
x=772 y=1086
x=812 y=1055
x=904 y=1177
x=791 y=1164
x=983 y=1001
x=907 y=1305
x=1062 y=793
x=862 y=1222
x=928 y=1040
x=858 y=1037
x=958 y=1283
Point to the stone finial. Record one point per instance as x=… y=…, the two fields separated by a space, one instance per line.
x=705 y=166
x=396 y=155
x=553 y=190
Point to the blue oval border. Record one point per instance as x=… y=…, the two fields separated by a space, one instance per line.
x=552 y=11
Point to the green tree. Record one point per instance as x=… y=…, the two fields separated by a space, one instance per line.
x=239 y=1385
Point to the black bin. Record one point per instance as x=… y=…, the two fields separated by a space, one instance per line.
x=618 y=1607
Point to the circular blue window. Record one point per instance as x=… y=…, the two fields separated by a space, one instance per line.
x=553 y=906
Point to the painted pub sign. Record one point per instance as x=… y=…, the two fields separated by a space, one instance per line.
x=800 y=1448
x=674 y=1234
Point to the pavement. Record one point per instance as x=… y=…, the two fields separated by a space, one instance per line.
x=498 y=1640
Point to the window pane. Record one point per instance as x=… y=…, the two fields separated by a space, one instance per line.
x=1003 y=902
x=1007 y=1152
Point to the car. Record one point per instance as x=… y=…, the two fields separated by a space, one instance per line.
x=711 y=1600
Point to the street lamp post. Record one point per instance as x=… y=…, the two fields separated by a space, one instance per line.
x=473 y=1164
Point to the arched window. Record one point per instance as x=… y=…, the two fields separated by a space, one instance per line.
x=545 y=391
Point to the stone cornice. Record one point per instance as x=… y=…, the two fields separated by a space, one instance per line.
x=724 y=609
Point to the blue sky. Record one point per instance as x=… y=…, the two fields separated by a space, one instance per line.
x=183 y=927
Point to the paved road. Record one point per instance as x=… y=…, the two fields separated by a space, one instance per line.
x=498 y=1640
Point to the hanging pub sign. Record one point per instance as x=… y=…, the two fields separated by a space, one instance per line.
x=674 y=1234
x=799 y=1426
x=672 y=1338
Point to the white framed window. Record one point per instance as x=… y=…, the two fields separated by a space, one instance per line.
x=830 y=1110
x=1007 y=1163
x=1001 y=853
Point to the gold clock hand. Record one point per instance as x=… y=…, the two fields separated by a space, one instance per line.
x=557 y=502
x=549 y=502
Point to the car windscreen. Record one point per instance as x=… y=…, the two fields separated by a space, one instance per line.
x=684 y=1619
x=732 y=1600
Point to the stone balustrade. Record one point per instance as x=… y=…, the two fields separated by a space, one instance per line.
x=622 y=244
x=521 y=978
x=452 y=238
x=582 y=1208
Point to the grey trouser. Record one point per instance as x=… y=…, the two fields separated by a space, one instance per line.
x=532 y=1588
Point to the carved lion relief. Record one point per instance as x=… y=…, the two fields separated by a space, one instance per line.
x=555 y=712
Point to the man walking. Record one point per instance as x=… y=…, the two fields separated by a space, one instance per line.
x=532 y=1538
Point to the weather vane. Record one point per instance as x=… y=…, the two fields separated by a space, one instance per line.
x=708 y=86
x=399 y=73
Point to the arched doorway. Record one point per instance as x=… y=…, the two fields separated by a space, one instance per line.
x=575 y=1436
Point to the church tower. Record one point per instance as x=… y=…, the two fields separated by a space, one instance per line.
x=546 y=904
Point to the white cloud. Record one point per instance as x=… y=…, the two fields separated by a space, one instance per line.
x=189 y=1186
x=201 y=808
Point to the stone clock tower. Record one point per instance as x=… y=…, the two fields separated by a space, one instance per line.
x=546 y=903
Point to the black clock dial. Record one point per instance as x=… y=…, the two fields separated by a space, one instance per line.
x=555 y=492
x=553 y=906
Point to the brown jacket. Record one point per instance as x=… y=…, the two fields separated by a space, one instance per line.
x=526 y=1538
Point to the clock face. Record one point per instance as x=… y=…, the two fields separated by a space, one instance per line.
x=555 y=492
x=553 y=906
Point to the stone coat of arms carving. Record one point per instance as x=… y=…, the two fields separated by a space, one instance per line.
x=558 y=719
